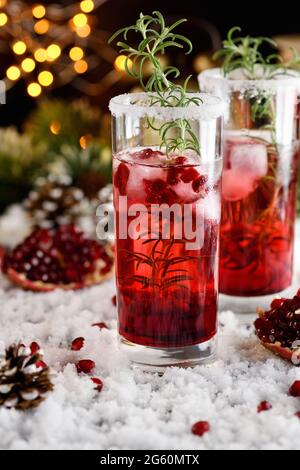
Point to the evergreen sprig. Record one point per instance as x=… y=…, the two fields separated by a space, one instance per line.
x=156 y=38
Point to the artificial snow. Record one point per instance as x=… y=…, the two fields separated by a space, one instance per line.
x=138 y=410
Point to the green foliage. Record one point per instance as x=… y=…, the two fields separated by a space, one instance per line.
x=20 y=163
x=155 y=38
x=71 y=121
x=245 y=53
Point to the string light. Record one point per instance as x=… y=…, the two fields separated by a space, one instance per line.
x=87 y=6
x=55 y=127
x=120 y=63
x=81 y=66
x=42 y=27
x=76 y=53
x=80 y=20
x=83 y=32
x=34 y=90
x=19 y=47
x=39 y=11
x=28 y=65
x=3 y=19
x=13 y=73
x=53 y=52
x=45 y=78
x=40 y=55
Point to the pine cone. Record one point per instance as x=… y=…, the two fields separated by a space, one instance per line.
x=54 y=202
x=24 y=377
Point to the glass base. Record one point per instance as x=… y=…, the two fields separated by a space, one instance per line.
x=248 y=305
x=157 y=359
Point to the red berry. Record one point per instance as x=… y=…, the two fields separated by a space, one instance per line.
x=34 y=348
x=173 y=176
x=277 y=303
x=199 y=183
x=264 y=406
x=41 y=364
x=121 y=178
x=101 y=325
x=85 y=366
x=298 y=293
x=77 y=344
x=295 y=389
x=180 y=160
x=99 y=384
x=190 y=174
x=148 y=153
x=114 y=300
x=200 y=428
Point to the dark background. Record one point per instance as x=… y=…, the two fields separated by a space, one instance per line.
x=254 y=17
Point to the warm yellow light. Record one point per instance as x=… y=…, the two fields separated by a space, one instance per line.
x=28 y=65
x=42 y=27
x=81 y=66
x=85 y=140
x=39 y=11
x=40 y=55
x=120 y=63
x=80 y=20
x=19 y=47
x=76 y=53
x=3 y=19
x=13 y=73
x=83 y=32
x=3 y=3
x=34 y=90
x=55 y=127
x=87 y=6
x=45 y=78
x=53 y=52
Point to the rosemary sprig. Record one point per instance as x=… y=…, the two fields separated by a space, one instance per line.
x=156 y=38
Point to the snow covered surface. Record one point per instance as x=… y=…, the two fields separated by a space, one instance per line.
x=136 y=410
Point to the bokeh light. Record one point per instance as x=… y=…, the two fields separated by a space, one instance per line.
x=39 y=11
x=45 y=78
x=28 y=65
x=34 y=90
x=3 y=19
x=81 y=66
x=40 y=55
x=120 y=63
x=19 y=47
x=13 y=73
x=83 y=32
x=53 y=52
x=55 y=127
x=76 y=53
x=42 y=27
x=87 y=6
x=80 y=20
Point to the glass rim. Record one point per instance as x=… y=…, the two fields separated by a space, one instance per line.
x=137 y=106
x=215 y=77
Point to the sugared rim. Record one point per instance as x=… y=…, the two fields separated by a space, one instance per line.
x=137 y=105
x=212 y=78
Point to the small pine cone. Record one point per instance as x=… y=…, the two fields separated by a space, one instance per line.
x=24 y=377
x=55 y=202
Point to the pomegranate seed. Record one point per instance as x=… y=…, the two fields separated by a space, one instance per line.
x=41 y=364
x=85 y=366
x=114 y=300
x=34 y=347
x=295 y=389
x=121 y=178
x=189 y=175
x=180 y=160
x=298 y=293
x=199 y=183
x=264 y=406
x=77 y=344
x=173 y=176
x=101 y=325
x=200 y=428
x=99 y=384
x=277 y=303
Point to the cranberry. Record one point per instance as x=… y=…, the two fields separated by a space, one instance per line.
x=199 y=183
x=77 y=344
x=99 y=384
x=101 y=325
x=277 y=303
x=180 y=160
x=173 y=176
x=121 y=178
x=189 y=175
x=85 y=366
x=295 y=389
x=200 y=428
x=114 y=300
x=34 y=348
x=158 y=192
x=264 y=406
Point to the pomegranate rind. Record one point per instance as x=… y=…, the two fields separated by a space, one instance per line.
x=279 y=350
x=19 y=279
